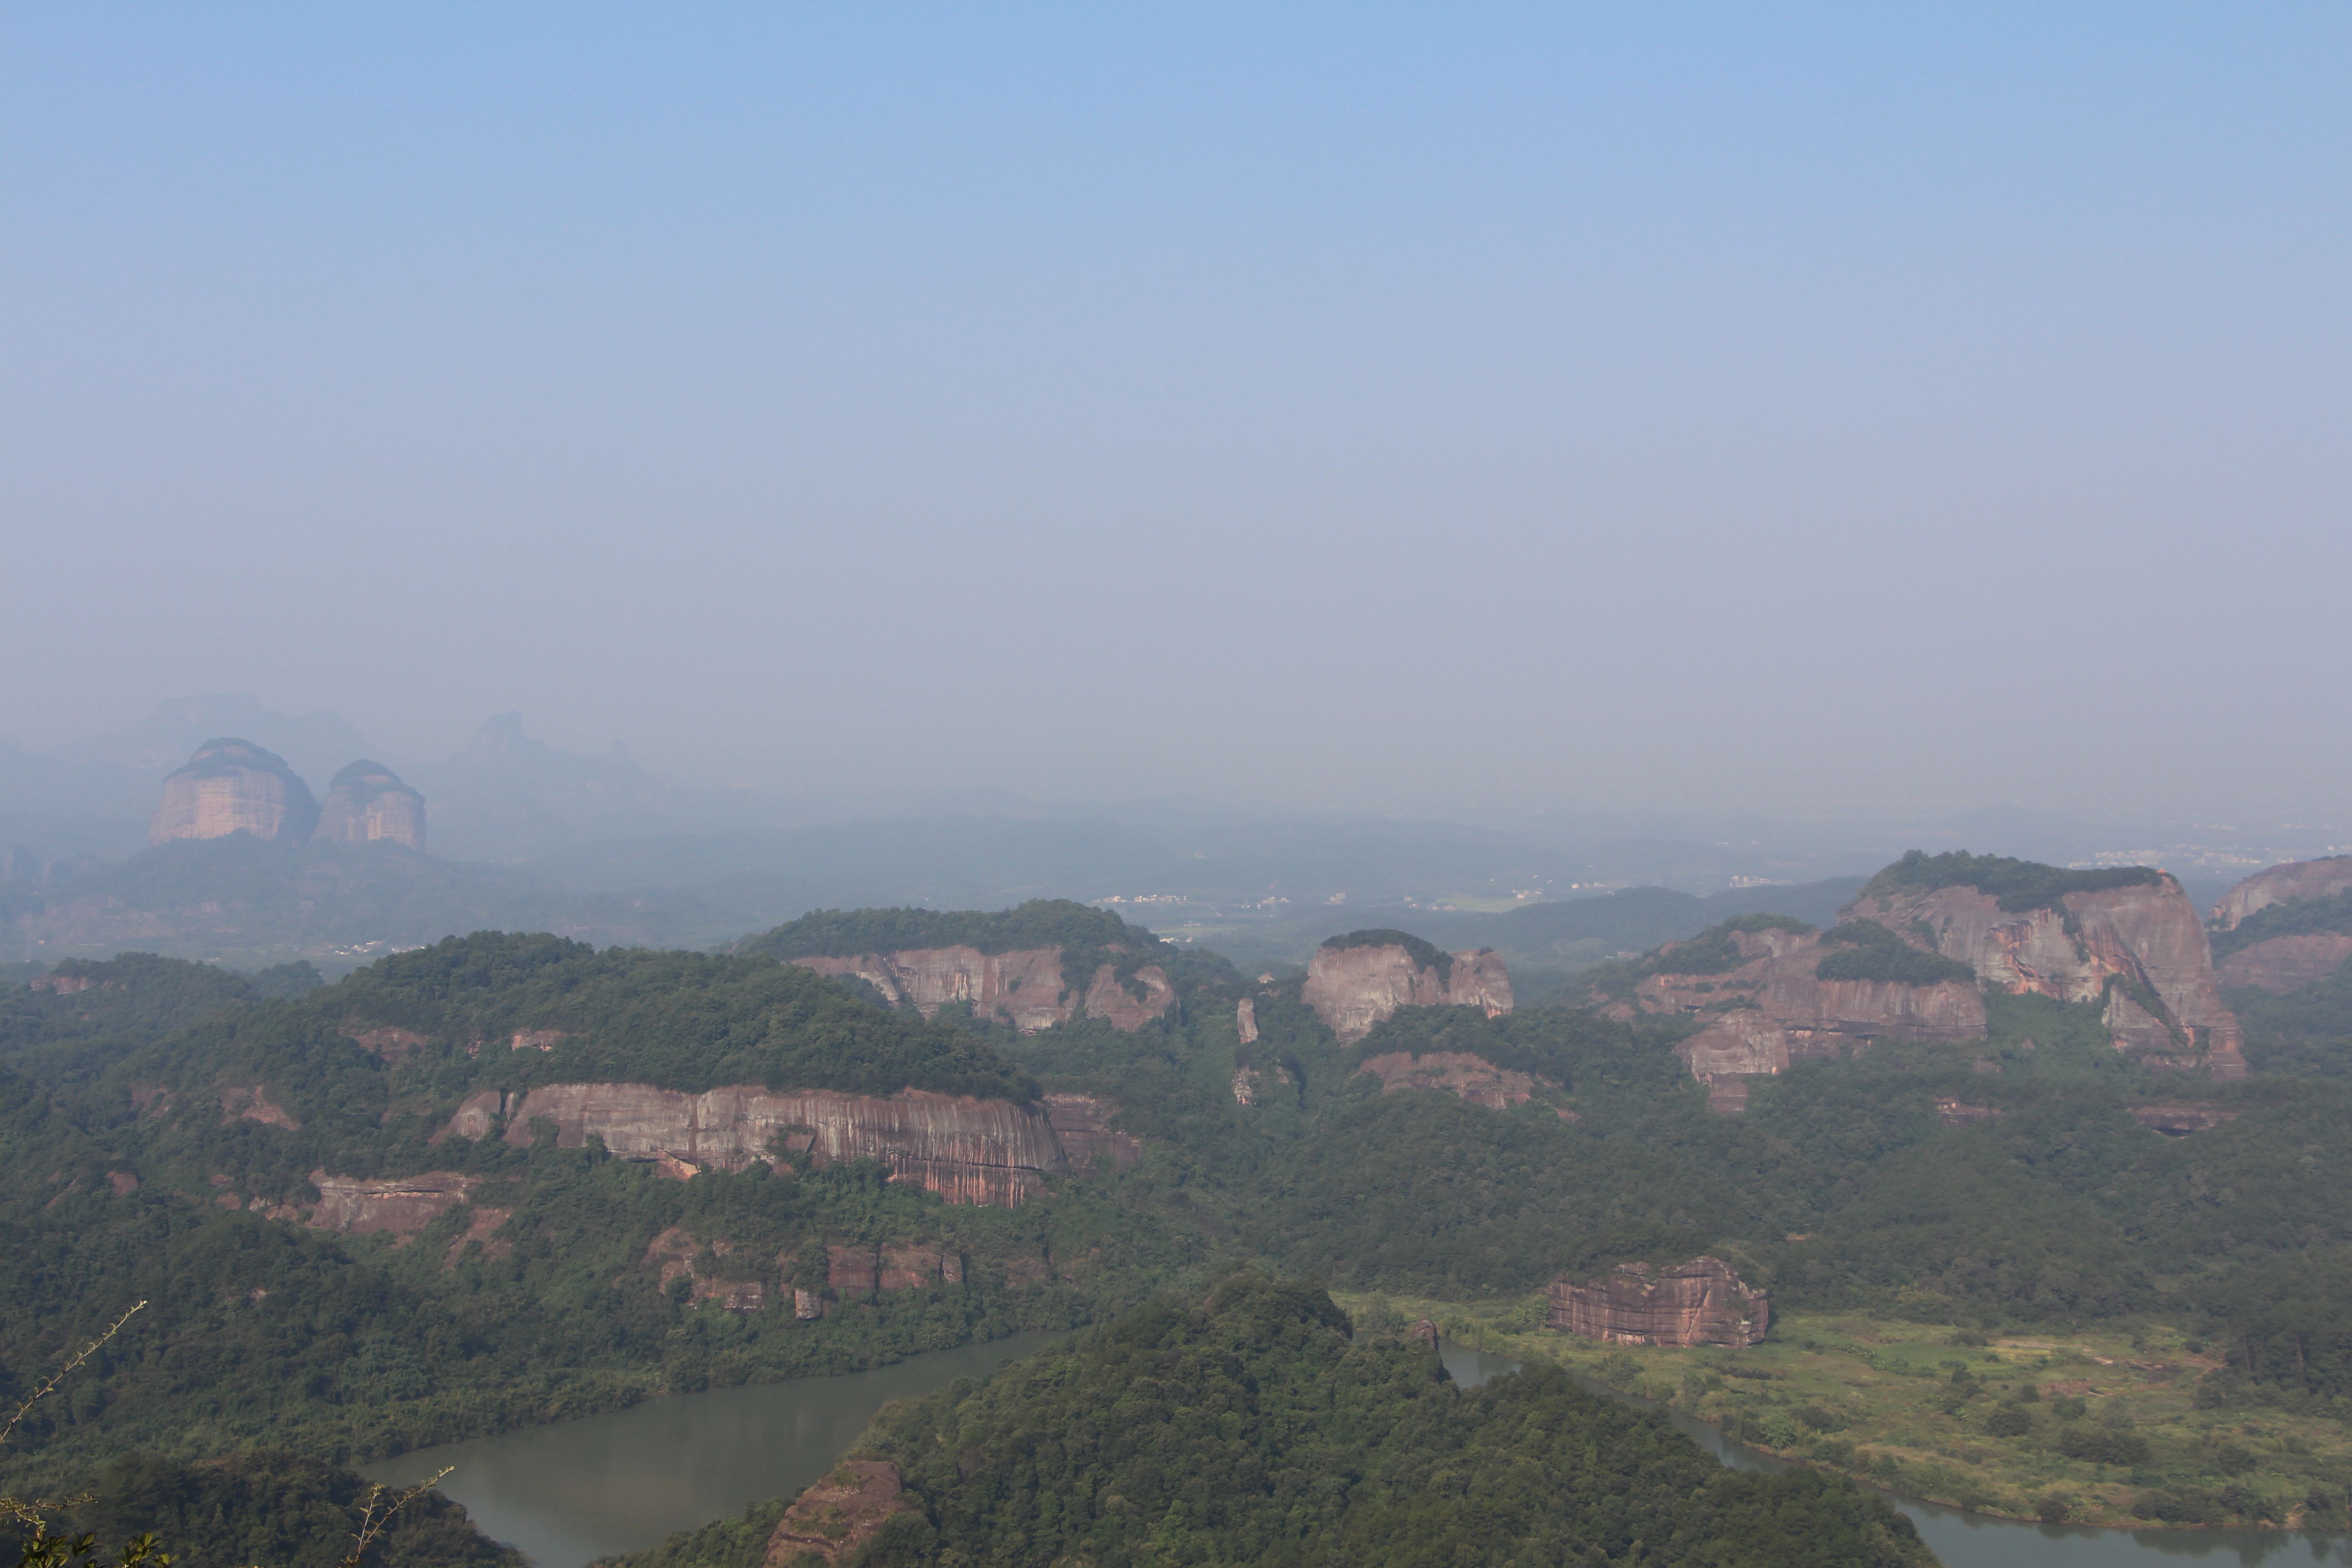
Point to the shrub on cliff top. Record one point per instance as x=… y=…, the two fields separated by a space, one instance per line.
x=1868 y=950
x=1425 y=954
x=1040 y=922
x=2015 y=885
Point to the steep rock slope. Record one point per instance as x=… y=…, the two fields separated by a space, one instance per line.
x=367 y=804
x=2130 y=938
x=1044 y=963
x=1702 y=1302
x=965 y=1148
x=234 y=786
x=2281 y=884
x=1355 y=981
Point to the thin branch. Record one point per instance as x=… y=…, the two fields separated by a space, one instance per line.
x=59 y=1376
x=373 y=1524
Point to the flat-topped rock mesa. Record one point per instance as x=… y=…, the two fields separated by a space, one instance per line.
x=1355 y=981
x=234 y=786
x=1755 y=984
x=1702 y=1302
x=2126 y=937
x=367 y=804
x=967 y=1150
x=2282 y=884
x=1043 y=964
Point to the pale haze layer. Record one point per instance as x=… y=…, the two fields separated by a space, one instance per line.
x=1443 y=407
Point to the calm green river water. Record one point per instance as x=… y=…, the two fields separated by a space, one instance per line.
x=583 y=1490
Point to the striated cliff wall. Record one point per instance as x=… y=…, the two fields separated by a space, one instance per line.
x=1701 y=1302
x=1458 y=1073
x=367 y=804
x=400 y=1206
x=2286 y=963
x=2145 y=937
x=1353 y=988
x=967 y=1150
x=1772 y=1010
x=2282 y=884
x=234 y=786
x=1023 y=988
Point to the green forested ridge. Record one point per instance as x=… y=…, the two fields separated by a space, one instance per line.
x=1866 y=950
x=2307 y=1032
x=272 y=1507
x=1248 y=1428
x=1841 y=1186
x=1040 y=922
x=2015 y=885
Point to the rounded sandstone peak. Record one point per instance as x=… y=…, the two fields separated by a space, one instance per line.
x=231 y=785
x=367 y=804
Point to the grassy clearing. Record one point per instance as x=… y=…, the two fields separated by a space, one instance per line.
x=2096 y=1426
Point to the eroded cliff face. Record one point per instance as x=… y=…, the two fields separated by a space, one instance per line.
x=1458 y=1073
x=2285 y=963
x=2282 y=884
x=833 y=1521
x=967 y=1150
x=1773 y=1010
x=234 y=786
x=400 y=1206
x=367 y=804
x=1023 y=988
x=1702 y=1302
x=2145 y=939
x=1353 y=988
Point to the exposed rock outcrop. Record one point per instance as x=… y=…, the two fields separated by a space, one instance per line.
x=1023 y=988
x=2180 y=1120
x=1352 y=987
x=234 y=786
x=1246 y=1021
x=965 y=1149
x=1771 y=1010
x=1458 y=1073
x=367 y=804
x=2284 y=963
x=2131 y=945
x=1702 y=1302
x=2282 y=884
x=1086 y=1127
x=834 y=1519
x=401 y=1206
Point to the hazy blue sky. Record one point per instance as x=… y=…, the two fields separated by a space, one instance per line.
x=1710 y=404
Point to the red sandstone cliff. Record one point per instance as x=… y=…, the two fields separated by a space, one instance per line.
x=968 y=1150
x=1701 y=1302
x=2282 y=884
x=367 y=804
x=1023 y=988
x=1458 y=1073
x=2146 y=937
x=234 y=786
x=1353 y=988
x=833 y=1521
x=2286 y=963
x=1773 y=1010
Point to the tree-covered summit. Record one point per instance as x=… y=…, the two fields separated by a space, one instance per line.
x=1040 y=922
x=2015 y=885
x=1425 y=954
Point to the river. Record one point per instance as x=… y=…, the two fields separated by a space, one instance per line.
x=1973 y=1540
x=588 y=1488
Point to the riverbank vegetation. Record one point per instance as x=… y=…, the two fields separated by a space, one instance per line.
x=2126 y=1423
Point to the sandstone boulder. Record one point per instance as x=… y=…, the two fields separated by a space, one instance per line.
x=1702 y=1302
x=234 y=786
x=2282 y=884
x=367 y=804
x=1353 y=982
